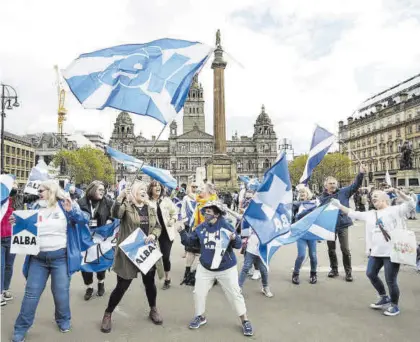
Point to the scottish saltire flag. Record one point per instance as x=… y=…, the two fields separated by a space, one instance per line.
x=269 y=212
x=190 y=206
x=321 y=143
x=98 y=246
x=178 y=205
x=143 y=255
x=151 y=79
x=25 y=233
x=317 y=225
x=161 y=175
x=6 y=184
x=244 y=179
x=122 y=185
x=220 y=247
x=38 y=174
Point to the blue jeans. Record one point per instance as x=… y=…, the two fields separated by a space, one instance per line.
x=301 y=246
x=40 y=268
x=7 y=261
x=249 y=260
x=391 y=273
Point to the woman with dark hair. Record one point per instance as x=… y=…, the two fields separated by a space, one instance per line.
x=217 y=262
x=98 y=207
x=167 y=215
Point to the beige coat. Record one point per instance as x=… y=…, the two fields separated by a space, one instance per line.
x=130 y=221
x=169 y=215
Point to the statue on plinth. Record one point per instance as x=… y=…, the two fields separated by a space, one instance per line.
x=218 y=39
x=406 y=160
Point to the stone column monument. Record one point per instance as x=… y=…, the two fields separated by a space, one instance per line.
x=220 y=169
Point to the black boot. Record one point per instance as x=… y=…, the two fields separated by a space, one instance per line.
x=333 y=273
x=101 y=289
x=295 y=278
x=313 y=278
x=191 y=279
x=89 y=293
x=186 y=276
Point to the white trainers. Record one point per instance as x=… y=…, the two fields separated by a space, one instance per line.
x=256 y=275
x=266 y=291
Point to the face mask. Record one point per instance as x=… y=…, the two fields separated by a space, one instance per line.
x=13 y=192
x=209 y=217
x=42 y=203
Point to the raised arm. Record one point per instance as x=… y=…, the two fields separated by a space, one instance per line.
x=351 y=190
x=347 y=211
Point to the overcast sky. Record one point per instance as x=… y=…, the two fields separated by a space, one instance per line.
x=308 y=61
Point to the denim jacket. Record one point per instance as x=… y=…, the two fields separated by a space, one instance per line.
x=74 y=256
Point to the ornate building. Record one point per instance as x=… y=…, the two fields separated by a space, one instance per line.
x=377 y=134
x=19 y=157
x=183 y=153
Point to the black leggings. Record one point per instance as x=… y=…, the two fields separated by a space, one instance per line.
x=165 y=247
x=88 y=277
x=124 y=284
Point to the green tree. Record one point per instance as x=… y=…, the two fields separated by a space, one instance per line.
x=334 y=164
x=85 y=165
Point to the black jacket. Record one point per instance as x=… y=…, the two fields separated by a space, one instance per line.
x=102 y=213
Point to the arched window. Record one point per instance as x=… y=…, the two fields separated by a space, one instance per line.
x=122 y=129
x=266 y=164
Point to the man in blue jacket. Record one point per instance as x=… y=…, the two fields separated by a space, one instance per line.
x=216 y=239
x=343 y=221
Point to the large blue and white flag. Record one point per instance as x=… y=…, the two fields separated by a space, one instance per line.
x=221 y=244
x=317 y=225
x=25 y=232
x=161 y=175
x=6 y=184
x=151 y=79
x=270 y=210
x=143 y=255
x=98 y=246
x=321 y=143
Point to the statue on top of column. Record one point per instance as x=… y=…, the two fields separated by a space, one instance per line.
x=218 y=38
x=406 y=161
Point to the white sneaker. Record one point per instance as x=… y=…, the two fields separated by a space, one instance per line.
x=256 y=275
x=266 y=291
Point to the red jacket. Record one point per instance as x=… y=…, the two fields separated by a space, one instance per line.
x=6 y=227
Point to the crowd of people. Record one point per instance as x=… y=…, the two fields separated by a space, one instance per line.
x=203 y=217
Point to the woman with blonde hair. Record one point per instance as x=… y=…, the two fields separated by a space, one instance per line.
x=133 y=209
x=379 y=225
x=301 y=208
x=167 y=215
x=59 y=257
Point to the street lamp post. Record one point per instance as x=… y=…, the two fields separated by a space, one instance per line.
x=6 y=99
x=286 y=145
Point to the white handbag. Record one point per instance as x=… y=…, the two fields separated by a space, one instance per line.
x=404 y=247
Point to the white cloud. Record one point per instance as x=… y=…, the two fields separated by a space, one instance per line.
x=308 y=62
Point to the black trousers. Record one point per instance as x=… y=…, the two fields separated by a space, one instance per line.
x=165 y=247
x=343 y=238
x=124 y=284
x=88 y=277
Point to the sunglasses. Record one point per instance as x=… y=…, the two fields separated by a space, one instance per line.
x=41 y=191
x=194 y=186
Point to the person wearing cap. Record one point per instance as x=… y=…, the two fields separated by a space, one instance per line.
x=187 y=218
x=217 y=262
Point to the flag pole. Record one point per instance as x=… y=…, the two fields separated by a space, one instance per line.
x=153 y=146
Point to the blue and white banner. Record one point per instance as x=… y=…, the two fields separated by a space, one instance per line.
x=143 y=255
x=36 y=177
x=161 y=175
x=151 y=79
x=220 y=247
x=321 y=143
x=121 y=186
x=98 y=246
x=270 y=210
x=6 y=184
x=317 y=225
x=25 y=232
